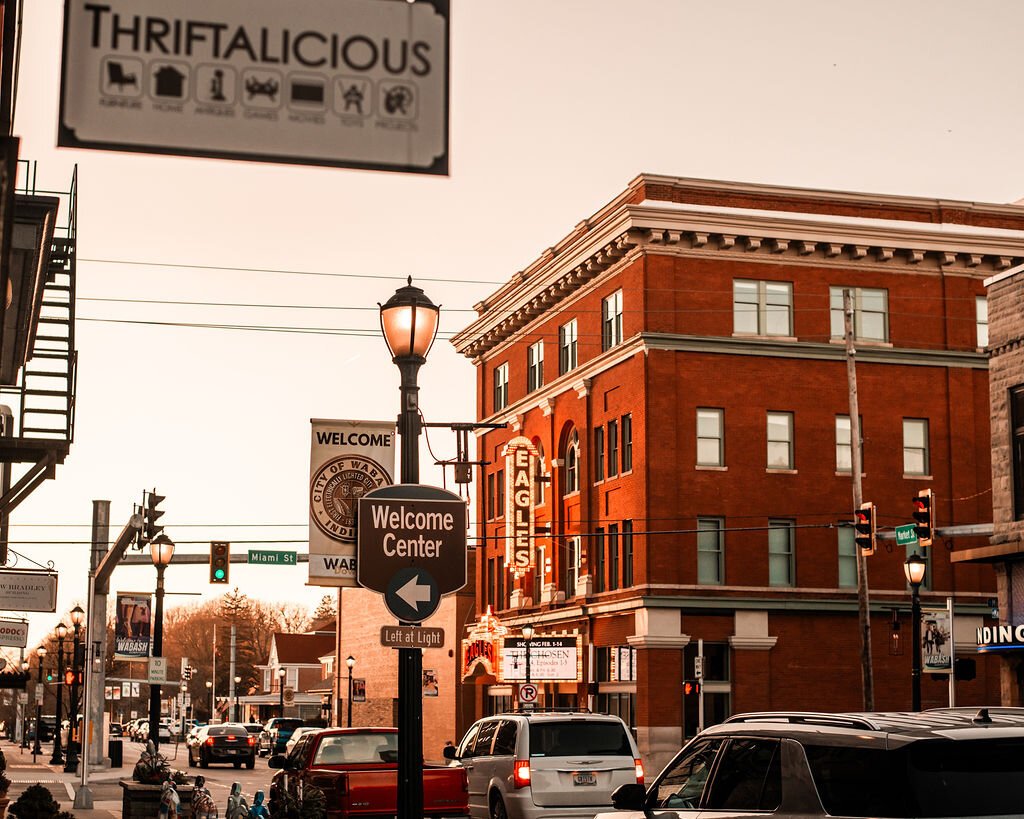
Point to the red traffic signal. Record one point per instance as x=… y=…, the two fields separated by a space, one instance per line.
x=691 y=688
x=865 y=524
x=923 y=506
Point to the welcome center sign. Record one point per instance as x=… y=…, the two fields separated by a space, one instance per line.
x=354 y=83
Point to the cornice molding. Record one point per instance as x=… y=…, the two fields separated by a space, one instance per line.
x=753 y=643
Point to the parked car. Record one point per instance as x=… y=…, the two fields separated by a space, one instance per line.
x=135 y=727
x=142 y=732
x=947 y=762
x=297 y=734
x=276 y=734
x=229 y=742
x=528 y=765
x=357 y=770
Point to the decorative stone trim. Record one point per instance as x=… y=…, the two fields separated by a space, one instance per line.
x=915 y=256
x=582 y=387
x=806 y=248
x=546 y=406
x=656 y=641
x=885 y=254
x=753 y=643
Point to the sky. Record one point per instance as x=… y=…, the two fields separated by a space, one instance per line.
x=555 y=106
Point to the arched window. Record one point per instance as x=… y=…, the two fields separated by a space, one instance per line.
x=572 y=463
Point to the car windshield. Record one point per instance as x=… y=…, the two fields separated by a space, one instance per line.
x=594 y=737
x=930 y=778
x=356 y=749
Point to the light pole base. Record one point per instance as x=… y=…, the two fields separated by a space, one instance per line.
x=83 y=798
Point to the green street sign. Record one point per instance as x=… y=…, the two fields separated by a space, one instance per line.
x=905 y=535
x=272 y=558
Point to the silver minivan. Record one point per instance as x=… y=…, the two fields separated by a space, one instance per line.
x=559 y=765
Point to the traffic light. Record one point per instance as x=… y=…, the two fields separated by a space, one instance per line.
x=865 y=524
x=220 y=561
x=150 y=514
x=69 y=677
x=691 y=688
x=49 y=676
x=187 y=673
x=925 y=528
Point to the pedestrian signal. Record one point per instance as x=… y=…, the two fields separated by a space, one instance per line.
x=691 y=688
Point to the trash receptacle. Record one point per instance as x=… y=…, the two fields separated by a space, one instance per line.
x=114 y=752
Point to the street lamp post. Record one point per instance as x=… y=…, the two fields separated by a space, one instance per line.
x=209 y=687
x=237 y=681
x=161 y=550
x=409 y=321
x=280 y=687
x=351 y=663
x=41 y=655
x=77 y=618
x=61 y=631
x=914 y=569
x=24 y=708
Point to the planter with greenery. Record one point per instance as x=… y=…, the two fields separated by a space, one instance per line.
x=38 y=803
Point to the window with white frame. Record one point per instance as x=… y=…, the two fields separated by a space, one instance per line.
x=844 y=447
x=781 y=569
x=780 y=440
x=572 y=565
x=915 y=446
x=762 y=308
x=572 y=463
x=627 y=442
x=567 y=347
x=981 y=320
x=627 y=553
x=710 y=562
x=870 y=313
x=540 y=493
x=613 y=448
x=611 y=320
x=535 y=366
x=710 y=437
x=501 y=387
x=599 y=454
x=847 y=557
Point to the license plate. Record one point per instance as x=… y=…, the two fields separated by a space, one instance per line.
x=584 y=779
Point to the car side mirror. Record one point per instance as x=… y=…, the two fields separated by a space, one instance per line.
x=629 y=797
x=277 y=761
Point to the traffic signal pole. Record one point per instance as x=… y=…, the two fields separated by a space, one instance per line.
x=863 y=603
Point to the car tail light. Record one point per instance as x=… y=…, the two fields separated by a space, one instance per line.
x=252 y=740
x=521 y=773
x=209 y=740
x=638 y=766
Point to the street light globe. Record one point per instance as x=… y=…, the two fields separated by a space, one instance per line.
x=61 y=631
x=161 y=549
x=281 y=672
x=409 y=323
x=77 y=615
x=237 y=680
x=914 y=569
x=209 y=684
x=527 y=632
x=24 y=665
x=41 y=652
x=350 y=662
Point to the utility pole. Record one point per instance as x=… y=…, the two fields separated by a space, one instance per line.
x=232 y=700
x=867 y=674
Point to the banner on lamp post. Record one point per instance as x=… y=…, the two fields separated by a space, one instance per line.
x=132 y=622
x=347 y=460
x=936 y=646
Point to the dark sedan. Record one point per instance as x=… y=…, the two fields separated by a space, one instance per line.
x=229 y=742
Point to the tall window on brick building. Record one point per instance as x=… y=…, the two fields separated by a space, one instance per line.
x=627 y=442
x=1017 y=440
x=870 y=313
x=501 y=387
x=499 y=496
x=572 y=463
x=492 y=588
x=710 y=437
x=613 y=448
x=499 y=568
x=781 y=566
x=490 y=496
x=567 y=347
x=844 y=448
x=613 y=556
x=599 y=454
x=571 y=570
x=762 y=308
x=981 y=320
x=627 y=554
x=540 y=492
x=915 y=446
x=780 y=440
x=710 y=552
x=611 y=320
x=535 y=366
x=847 y=557
x=597 y=547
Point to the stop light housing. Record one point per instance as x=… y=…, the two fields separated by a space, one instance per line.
x=924 y=505
x=865 y=523
x=69 y=677
x=220 y=561
x=691 y=688
x=150 y=514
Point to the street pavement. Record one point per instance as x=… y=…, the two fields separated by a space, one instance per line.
x=104 y=783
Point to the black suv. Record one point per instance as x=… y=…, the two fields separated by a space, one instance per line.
x=949 y=762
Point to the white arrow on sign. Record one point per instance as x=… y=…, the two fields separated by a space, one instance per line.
x=413 y=593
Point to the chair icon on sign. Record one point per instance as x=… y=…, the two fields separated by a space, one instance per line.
x=116 y=75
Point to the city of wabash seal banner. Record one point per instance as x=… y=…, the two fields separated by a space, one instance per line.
x=347 y=460
x=336 y=490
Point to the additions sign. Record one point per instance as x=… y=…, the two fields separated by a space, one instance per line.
x=27 y=590
x=521 y=458
x=352 y=83
x=347 y=460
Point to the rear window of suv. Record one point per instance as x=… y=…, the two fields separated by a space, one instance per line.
x=592 y=737
x=929 y=778
x=227 y=731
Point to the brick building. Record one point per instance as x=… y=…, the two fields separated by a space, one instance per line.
x=676 y=365
x=1005 y=550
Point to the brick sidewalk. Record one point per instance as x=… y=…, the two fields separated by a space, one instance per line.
x=22 y=772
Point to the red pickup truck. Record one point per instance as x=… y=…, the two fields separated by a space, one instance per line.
x=357 y=770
